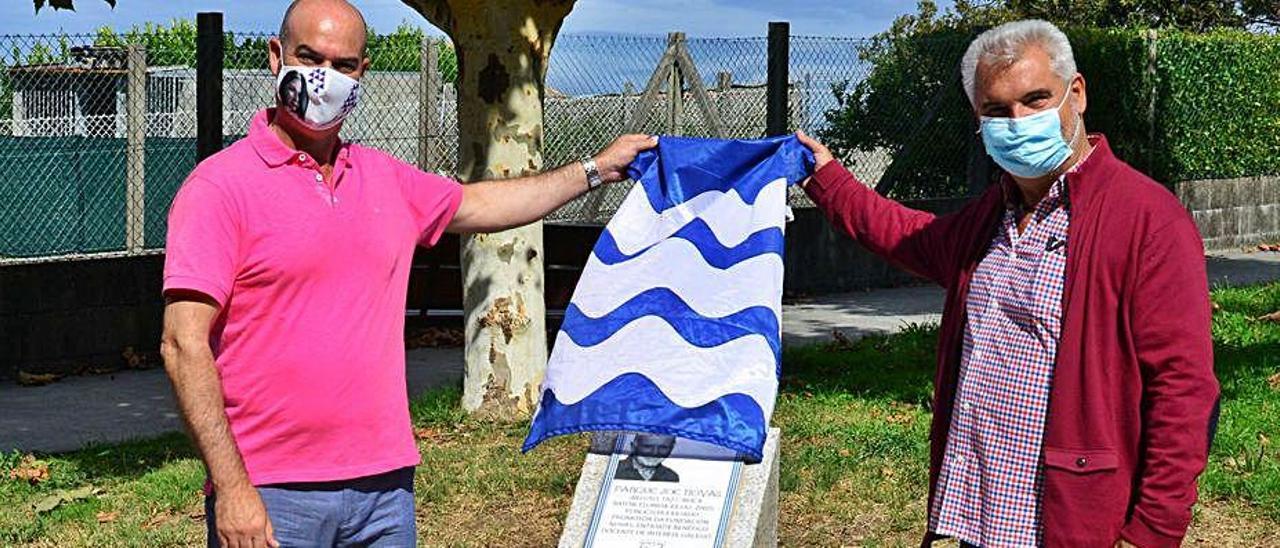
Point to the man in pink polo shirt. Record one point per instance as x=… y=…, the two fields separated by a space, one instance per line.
x=285 y=279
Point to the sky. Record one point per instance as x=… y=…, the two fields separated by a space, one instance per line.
x=695 y=17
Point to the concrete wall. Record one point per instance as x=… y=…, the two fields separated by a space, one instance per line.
x=1233 y=213
x=77 y=315
x=822 y=260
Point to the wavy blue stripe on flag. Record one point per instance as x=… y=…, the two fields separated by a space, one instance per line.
x=716 y=254
x=633 y=402
x=684 y=167
x=675 y=324
x=662 y=303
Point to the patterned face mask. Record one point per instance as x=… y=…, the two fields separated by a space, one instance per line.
x=319 y=97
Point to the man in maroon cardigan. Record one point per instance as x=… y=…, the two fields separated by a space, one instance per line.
x=1074 y=395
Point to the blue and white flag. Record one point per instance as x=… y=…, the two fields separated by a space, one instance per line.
x=675 y=325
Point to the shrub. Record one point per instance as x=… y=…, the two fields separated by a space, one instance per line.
x=1208 y=106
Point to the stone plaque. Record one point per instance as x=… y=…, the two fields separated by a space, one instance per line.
x=660 y=492
x=651 y=491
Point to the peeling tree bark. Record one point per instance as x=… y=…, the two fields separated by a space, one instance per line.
x=502 y=46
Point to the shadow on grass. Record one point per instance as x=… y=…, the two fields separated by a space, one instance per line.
x=130 y=460
x=896 y=367
x=1244 y=463
x=1243 y=371
x=122 y=461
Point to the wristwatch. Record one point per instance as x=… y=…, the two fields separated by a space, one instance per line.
x=593 y=173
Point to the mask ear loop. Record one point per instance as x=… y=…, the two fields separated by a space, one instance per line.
x=1075 y=134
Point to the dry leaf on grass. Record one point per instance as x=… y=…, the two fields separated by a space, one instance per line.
x=429 y=434
x=1272 y=317
x=435 y=337
x=30 y=470
x=60 y=496
x=132 y=359
x=156 y=520
x=1274 y=381
x=107 y=517
x=899 y=418
x=37 y=379
x=839 y=342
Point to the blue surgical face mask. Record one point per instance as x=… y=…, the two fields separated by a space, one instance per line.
x=1030 y=146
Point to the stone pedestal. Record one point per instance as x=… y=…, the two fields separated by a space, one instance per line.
x=753 y=520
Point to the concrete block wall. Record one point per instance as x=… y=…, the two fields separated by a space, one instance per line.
x=820 y=259
x=78 y=314
x=1234 y=213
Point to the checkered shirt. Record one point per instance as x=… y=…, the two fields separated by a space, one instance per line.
x=988 y=490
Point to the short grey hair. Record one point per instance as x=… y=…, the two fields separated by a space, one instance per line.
x=1005 y=44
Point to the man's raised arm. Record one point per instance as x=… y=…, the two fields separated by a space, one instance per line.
x=491 y=206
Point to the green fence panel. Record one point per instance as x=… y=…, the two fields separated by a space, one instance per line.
x=61 y=195
x=169 y=161
x=100 y=174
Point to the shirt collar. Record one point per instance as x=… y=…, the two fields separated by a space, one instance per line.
x=1060 y=187
x=273 y=151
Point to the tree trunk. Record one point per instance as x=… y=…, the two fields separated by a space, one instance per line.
x=502 y=49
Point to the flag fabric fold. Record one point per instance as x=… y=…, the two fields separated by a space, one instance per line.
x=675 y=326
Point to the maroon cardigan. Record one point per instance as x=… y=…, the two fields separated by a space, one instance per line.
x=1134 y=395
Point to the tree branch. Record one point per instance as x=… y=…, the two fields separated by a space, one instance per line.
x=437 y=12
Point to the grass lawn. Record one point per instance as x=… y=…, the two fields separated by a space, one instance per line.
x=855 y=424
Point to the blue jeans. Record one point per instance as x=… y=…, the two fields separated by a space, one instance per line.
x=376 y=511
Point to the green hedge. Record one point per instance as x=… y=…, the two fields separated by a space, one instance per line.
x=911 y=77
x=1114 y=65
x=1218 y=105
x=1216 y=99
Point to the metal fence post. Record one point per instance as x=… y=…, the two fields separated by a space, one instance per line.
x=804 y=94
x=675 y=88
x=776 y=102
x=429 y=88
x=724 y=83
x=135 y=159
x=209 y=53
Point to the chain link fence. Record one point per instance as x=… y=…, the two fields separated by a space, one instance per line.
x=88 y=159
x=97 y=135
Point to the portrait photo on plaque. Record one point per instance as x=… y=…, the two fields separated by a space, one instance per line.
x=661 y=491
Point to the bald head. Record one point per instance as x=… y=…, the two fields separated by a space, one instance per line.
x=337 y=19
x=321 y=33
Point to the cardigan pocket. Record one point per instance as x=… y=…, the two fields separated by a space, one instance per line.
x=1084 y=499
x=1081 y=462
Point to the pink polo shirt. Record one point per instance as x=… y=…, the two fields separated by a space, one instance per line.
x=311 y=277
